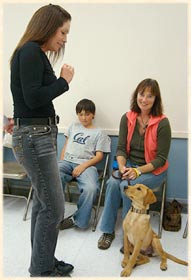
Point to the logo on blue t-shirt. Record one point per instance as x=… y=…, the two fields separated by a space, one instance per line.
x=80 y=139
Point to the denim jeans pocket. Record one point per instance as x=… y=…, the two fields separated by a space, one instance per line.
x=40 y=138
x=17 y=143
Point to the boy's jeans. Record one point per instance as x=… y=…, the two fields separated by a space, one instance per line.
x=114 y=194
x=35 y=149
x=88 y=184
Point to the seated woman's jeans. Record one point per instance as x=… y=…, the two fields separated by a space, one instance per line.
x=115 y=193
x=35 y=148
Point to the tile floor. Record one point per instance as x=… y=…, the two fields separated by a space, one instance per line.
x=79 y=247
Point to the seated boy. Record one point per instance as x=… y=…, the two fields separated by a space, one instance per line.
x=83 y=149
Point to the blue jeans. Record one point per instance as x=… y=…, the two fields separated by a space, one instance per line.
x=35 y=148
x=88 y=185
x=115 y=193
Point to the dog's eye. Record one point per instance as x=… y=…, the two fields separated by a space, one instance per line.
x=139 y=189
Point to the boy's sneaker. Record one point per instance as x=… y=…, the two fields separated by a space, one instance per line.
x=105 y=240
x=67 y=223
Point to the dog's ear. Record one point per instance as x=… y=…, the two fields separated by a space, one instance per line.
x=149 y=198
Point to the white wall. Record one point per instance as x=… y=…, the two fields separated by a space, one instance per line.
x=113 y=47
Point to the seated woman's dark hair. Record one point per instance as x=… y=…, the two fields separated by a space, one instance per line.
x=153 y=85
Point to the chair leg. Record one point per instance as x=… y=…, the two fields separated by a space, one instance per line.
x=185 y=230
x=28 y=202
x=98 y=207
x=100 y=194
x=162 y=209
x=68 y=192
x=95 y=217
x=8 y=186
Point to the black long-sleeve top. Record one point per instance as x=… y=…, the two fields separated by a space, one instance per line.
x=33 y=83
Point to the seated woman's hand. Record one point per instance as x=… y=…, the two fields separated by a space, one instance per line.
x=129 y=174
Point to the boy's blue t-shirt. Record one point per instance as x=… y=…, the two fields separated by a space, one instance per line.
x=83 y=143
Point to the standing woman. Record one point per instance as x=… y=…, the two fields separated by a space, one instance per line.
x=34 y=86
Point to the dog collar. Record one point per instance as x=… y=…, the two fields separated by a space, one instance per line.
x=139 y=211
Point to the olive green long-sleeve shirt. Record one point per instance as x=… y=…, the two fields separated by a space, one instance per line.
x=137 y=143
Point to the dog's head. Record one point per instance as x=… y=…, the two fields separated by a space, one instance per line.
x=140 y=194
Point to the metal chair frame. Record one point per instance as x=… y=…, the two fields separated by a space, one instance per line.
x=161 y=212
x=161 y=188
x=102 y=178
x=185 y=230
x=12 y=170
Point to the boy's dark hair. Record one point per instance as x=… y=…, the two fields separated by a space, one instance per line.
x=86 y=105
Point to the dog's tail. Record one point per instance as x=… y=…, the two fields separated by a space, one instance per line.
x=172 y=258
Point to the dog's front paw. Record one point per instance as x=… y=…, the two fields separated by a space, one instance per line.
x=126 y=272
x=124 y=263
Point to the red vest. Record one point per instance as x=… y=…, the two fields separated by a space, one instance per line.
x=150 y=143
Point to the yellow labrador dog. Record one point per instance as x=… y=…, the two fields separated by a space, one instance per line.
x=138 y=234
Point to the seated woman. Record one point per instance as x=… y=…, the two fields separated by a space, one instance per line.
x=142 y=151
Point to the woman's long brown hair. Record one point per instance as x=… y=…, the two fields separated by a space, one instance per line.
x=43 y=26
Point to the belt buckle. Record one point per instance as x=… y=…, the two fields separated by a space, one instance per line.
x=57 y=118
x=17 y=122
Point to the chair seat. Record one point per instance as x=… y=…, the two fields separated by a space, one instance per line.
x=12 y=170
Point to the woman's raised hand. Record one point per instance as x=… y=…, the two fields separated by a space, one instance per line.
x=67 y=72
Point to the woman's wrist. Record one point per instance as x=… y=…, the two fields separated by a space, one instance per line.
x=137 y=172
x=122 y=169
